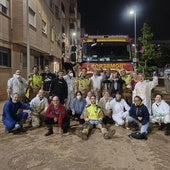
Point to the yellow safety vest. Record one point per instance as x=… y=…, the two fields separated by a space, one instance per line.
x=127 y=79
x=83 y=83
x=35 y=81
x=93 y=112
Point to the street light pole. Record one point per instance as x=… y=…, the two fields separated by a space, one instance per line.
x=135 y=30
x=28 y=39
x=133 y=12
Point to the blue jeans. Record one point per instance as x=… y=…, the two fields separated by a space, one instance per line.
x=143 y=129
x=94 y=122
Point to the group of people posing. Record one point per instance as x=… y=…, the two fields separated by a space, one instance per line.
x=98 y=100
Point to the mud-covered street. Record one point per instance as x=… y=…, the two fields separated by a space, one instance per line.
x=32 y=150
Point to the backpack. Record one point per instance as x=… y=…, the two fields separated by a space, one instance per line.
x=138 y=135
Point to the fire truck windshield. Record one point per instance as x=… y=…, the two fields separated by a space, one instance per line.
x=106 y=51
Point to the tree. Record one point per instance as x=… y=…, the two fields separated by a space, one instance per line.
x=150 y=54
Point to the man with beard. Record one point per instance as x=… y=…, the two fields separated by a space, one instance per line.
x=13 y=115
x=17 y=84
x=47 y=78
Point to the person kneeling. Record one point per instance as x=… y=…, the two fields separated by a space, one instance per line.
x=38 y=105
x=56 y=113
x=161 y=114
x=13 y=116
x=139 y=115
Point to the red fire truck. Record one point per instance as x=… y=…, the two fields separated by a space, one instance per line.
x=106 y=52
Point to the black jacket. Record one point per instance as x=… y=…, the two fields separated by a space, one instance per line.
x=139 y=111
x=59 y=87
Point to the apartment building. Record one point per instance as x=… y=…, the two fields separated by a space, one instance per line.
x=35 y=32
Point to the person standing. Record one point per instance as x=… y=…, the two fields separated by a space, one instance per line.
x=116 y=83
x=59 y=87
x=143 y=89
x=133 y=81
x=68 y=65
x=84 y=83
x=106 y=83
x=17 y=84
x=47 y=78
x=13 y=115
x=126 y=77
x=35 y=83
x=127 y=91
x=70 y=80
x=97 y=84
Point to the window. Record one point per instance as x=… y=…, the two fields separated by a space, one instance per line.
x=57 y=12
x=24 y=58
x=52 y=35
x=52 y=6
x=31 y=17
x=62 y=7
x=5 y=56
x=42 y=62
x=106 y=51
x=51 y=3
x=63 y=29
x=63 y=47
x=57 y=37
x=44 y=27
x=71 y=10
x=72 y=26
x=36 y=61
x=46 y=62
x=4 y=6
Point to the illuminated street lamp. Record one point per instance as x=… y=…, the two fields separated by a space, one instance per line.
x=73 y=47
x=73 y=37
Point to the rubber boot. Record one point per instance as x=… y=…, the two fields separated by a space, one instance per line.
x=50 y=132
x=167 y=130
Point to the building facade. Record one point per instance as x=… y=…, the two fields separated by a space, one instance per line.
x=35 y=33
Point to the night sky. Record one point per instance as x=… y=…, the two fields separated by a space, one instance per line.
x=112 y=17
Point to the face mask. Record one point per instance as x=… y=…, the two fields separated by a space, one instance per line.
x=71 y=74
x=78 y=97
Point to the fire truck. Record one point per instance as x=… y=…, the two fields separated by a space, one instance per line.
x=112 y=52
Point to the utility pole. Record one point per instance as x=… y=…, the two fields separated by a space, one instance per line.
x=28 y=38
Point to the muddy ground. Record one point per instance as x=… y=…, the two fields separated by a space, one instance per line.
x=33 y=151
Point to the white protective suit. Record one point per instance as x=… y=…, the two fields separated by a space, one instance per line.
x=97 y=83
x=38 y=108
x=71 y=89
x=120 y=110
x=143 y=89
x=16 y=85
x=161 y=112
